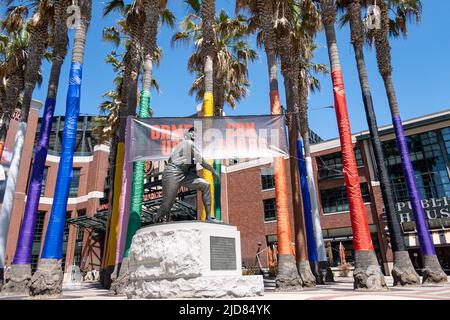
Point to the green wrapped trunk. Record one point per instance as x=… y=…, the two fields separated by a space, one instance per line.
x=217 y=191
x=137 y=192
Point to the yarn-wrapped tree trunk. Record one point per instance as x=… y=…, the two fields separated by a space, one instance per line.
x=403 y=271
x=367 y=274
x=48 y=278
x=432 y=271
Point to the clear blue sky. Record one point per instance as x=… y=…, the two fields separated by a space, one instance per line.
x=421 y=73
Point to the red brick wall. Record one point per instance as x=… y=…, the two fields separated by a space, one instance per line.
x=92 y=178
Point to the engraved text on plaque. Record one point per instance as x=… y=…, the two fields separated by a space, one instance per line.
x=223 y=253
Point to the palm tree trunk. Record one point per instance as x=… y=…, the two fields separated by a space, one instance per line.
x=432 y=272
x=112 y=268
x=307 y=210
x=38 y=34
x=114 y=223
x=304 y=187
x=48 y=278
x=13 y=88
x=133 y=174
x=403 y=272
x=150 y=45
x=208 y=8
x=287 y=277
x=289 y=69
x=132 y=61
x=4 y=126
x=367 y=273
x=324 y=273
x=20 y=273
x=130 y=219
x=301 y=248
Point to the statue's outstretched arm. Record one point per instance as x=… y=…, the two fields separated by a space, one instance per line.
x=199 y=159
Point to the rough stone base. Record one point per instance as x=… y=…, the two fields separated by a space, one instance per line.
x=403 y=271
x=106 y=277
x=288 y=278
x=115 y=272
x=200 y=287
x=432 y=272
x=306 y=274
x=120 y=283
x=316 y=272
x=325 y=271
x=367 y=273
x=19 y=280
x=1 y=278
x=47 y=280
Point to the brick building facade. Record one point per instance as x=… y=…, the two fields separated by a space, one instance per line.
x=248 y=195
x=250 y=203
x=82 y=246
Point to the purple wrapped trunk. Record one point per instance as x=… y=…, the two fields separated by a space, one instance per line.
x=26 y=234
x=425 y=241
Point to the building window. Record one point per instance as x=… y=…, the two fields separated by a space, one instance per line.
x=359 y=158
x=44 y=180
x=34 y=262
x=335 y=200
x=270 y=210
x=37 y=239
x=446 y=139
x=73 y=193
x=429 y=155
x=79 y=241
x=40 y=219
x=67 y=226
x=331 y=166
x=66 y=239
x=267 y=179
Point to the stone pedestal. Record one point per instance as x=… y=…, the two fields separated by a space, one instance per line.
x=189 y=260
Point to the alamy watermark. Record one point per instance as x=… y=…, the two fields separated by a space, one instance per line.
x=373 y=18
x=74 y=19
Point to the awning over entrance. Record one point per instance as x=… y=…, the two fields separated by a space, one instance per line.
x=182 y=210
x=96 y=222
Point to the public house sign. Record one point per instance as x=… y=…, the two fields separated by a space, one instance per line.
x=433 y=208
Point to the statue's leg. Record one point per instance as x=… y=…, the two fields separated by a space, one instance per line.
x=199 y=184
x=170 y=185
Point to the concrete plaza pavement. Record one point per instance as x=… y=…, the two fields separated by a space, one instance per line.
x=342 y=289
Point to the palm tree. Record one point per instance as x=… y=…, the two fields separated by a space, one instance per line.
x=233 y=55
x=114 y=108
x=305 y=25
x=230 y=56
x=4 y=118
x=38 y=31
x=209 y=55
x=13 y=70
x=133 y=19
x=314 y=233
x=48 y=278
x=5 y=52
x=403 y=271
x=14 y=49
x=263 y=16
x=20 y=272
x=154 y=10
x=290 y=56
x=432 y=271
x=367 y=273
